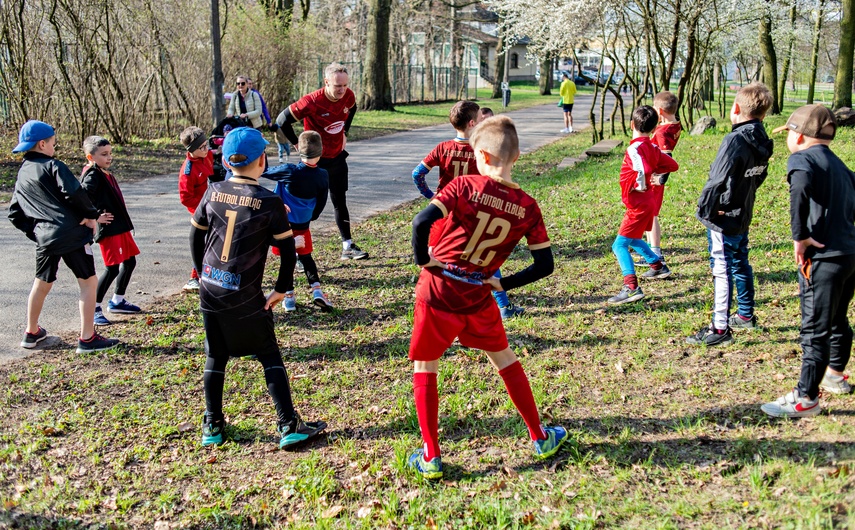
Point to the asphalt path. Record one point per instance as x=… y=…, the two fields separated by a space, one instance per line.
x=379 y=175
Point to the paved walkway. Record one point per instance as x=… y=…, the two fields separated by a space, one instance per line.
x=379 y=180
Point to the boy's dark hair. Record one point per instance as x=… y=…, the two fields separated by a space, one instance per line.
x=462 y=113
x=645 y=119
x=486 y=111
x=310 y=145
x=190 y=134
x=92 y=143
x=754 y=100
x=666 y=101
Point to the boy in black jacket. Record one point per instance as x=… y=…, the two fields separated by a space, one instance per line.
x=726 y=207
x=51 y=208
x=822 y=218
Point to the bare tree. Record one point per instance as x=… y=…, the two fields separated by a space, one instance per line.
x=376 y=91
x=843 y=81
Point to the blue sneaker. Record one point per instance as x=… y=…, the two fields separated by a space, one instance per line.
x=511 y=311
x=122 y=307
x=320 y=299
x=100 y=319
x=296 y=432
x=555 y=437
x=213 y=433
x=290 y=302
x=430 y=470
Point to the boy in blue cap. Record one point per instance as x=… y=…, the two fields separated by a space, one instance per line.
x=52 y=209
x=234 y=224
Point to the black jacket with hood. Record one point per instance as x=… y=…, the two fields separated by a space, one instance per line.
x=49 y=204
x=727 y=200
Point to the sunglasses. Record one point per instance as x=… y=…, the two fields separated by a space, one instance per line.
x=241 y=83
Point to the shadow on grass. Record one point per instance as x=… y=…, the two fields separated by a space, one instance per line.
x=14 y=520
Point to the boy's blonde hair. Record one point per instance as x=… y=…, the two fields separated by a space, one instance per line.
x=754 y=100
x=667 y=101
x=190 y=134
x=497 y=136
x=92 y=143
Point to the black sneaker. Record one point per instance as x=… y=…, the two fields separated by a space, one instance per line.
x=353 y=252
x=737 y=322
x=297 y=432
x=31 y=339
x=653 y=274
x=95 y=343
x=213 y=432
x=627 y=295
x=709 y=336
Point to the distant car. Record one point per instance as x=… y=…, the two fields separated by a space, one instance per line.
x=828 y=79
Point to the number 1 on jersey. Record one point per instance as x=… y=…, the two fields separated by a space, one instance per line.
x=230 y=232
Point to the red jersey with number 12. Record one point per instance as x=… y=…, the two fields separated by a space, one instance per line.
x=454 y=158
x=325 y=116
x=484 y=220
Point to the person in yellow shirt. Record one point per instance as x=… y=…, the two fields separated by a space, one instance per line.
x=568 y=93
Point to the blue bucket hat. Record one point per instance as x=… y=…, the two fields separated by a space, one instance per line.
x=243 y=141
x=33 y=132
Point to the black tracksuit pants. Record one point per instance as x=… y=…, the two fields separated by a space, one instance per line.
x=826 y=288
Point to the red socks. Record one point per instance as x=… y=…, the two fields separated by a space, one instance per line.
x=427 y=407
x=520 y=391
x=631 y=281
x=657 y=265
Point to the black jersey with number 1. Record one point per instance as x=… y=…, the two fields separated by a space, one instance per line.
x=242 y=220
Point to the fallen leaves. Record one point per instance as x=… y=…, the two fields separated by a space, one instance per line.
x=185 y=427
x=211 y=459
x=332 y=512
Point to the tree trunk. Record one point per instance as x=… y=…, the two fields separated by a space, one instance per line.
x=843 y=81
x=306 y=6
x=672 y=52
x=376 y=91
x=770 y=60
x=814 y=56
x=545 y=81
x=500 y=66
x=691 y=51
x=785 y=69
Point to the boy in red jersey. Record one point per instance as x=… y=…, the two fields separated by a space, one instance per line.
x=642 y=161
x=198 y=167
x=455 y=158
x=665 y=137
x=485 y=216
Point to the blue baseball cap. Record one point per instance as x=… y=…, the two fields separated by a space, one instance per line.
x=33 y=132
x=243 y=141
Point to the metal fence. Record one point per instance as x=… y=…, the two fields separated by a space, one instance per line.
x=415 y=83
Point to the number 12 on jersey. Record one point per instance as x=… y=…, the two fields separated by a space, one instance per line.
x=475 y=247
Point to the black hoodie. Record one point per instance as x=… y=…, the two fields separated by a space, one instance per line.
x=727 y=200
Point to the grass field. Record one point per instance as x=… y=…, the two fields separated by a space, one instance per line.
x=662 y=435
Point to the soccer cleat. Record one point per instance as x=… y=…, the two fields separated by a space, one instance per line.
x=95 y=343
x=555 y=437
x=709 y=336
x=353 y=252
x=122 y=307
x=737 y=322
x=627 y=295
x=31 y=339
x=296 y=432
x=792 y=405
x=835 y=384
x=511 y=311
x=321 y=300
x=214 y=432
x=290 y=302
x=191 y=285
x=430 y=470
x=100 y=319
x=653 y=274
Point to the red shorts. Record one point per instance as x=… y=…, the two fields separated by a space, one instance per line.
x=636 y=222
x=116 y=249
x=307 y=235
x=434 y=331
x=658 y=194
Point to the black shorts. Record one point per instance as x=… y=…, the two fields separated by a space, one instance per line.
x=80 y=261
x=227 y=336
x=568 y=108
x=337 y=170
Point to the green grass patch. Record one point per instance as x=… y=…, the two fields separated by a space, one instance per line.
x=662 y=435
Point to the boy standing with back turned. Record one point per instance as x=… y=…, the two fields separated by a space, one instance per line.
x=485 y=216
x=822 y=219
x=726 y=207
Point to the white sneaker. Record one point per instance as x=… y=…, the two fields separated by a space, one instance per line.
x=792 y=405
x=835 y=384
x=565 y=131
x=281 y=161
x=570 y=130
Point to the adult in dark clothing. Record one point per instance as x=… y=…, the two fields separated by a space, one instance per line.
x=52 y=209
x=726 y=207
x=329 y=111
x=822 y=220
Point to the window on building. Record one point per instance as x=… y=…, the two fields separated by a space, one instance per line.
x=515 y=60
